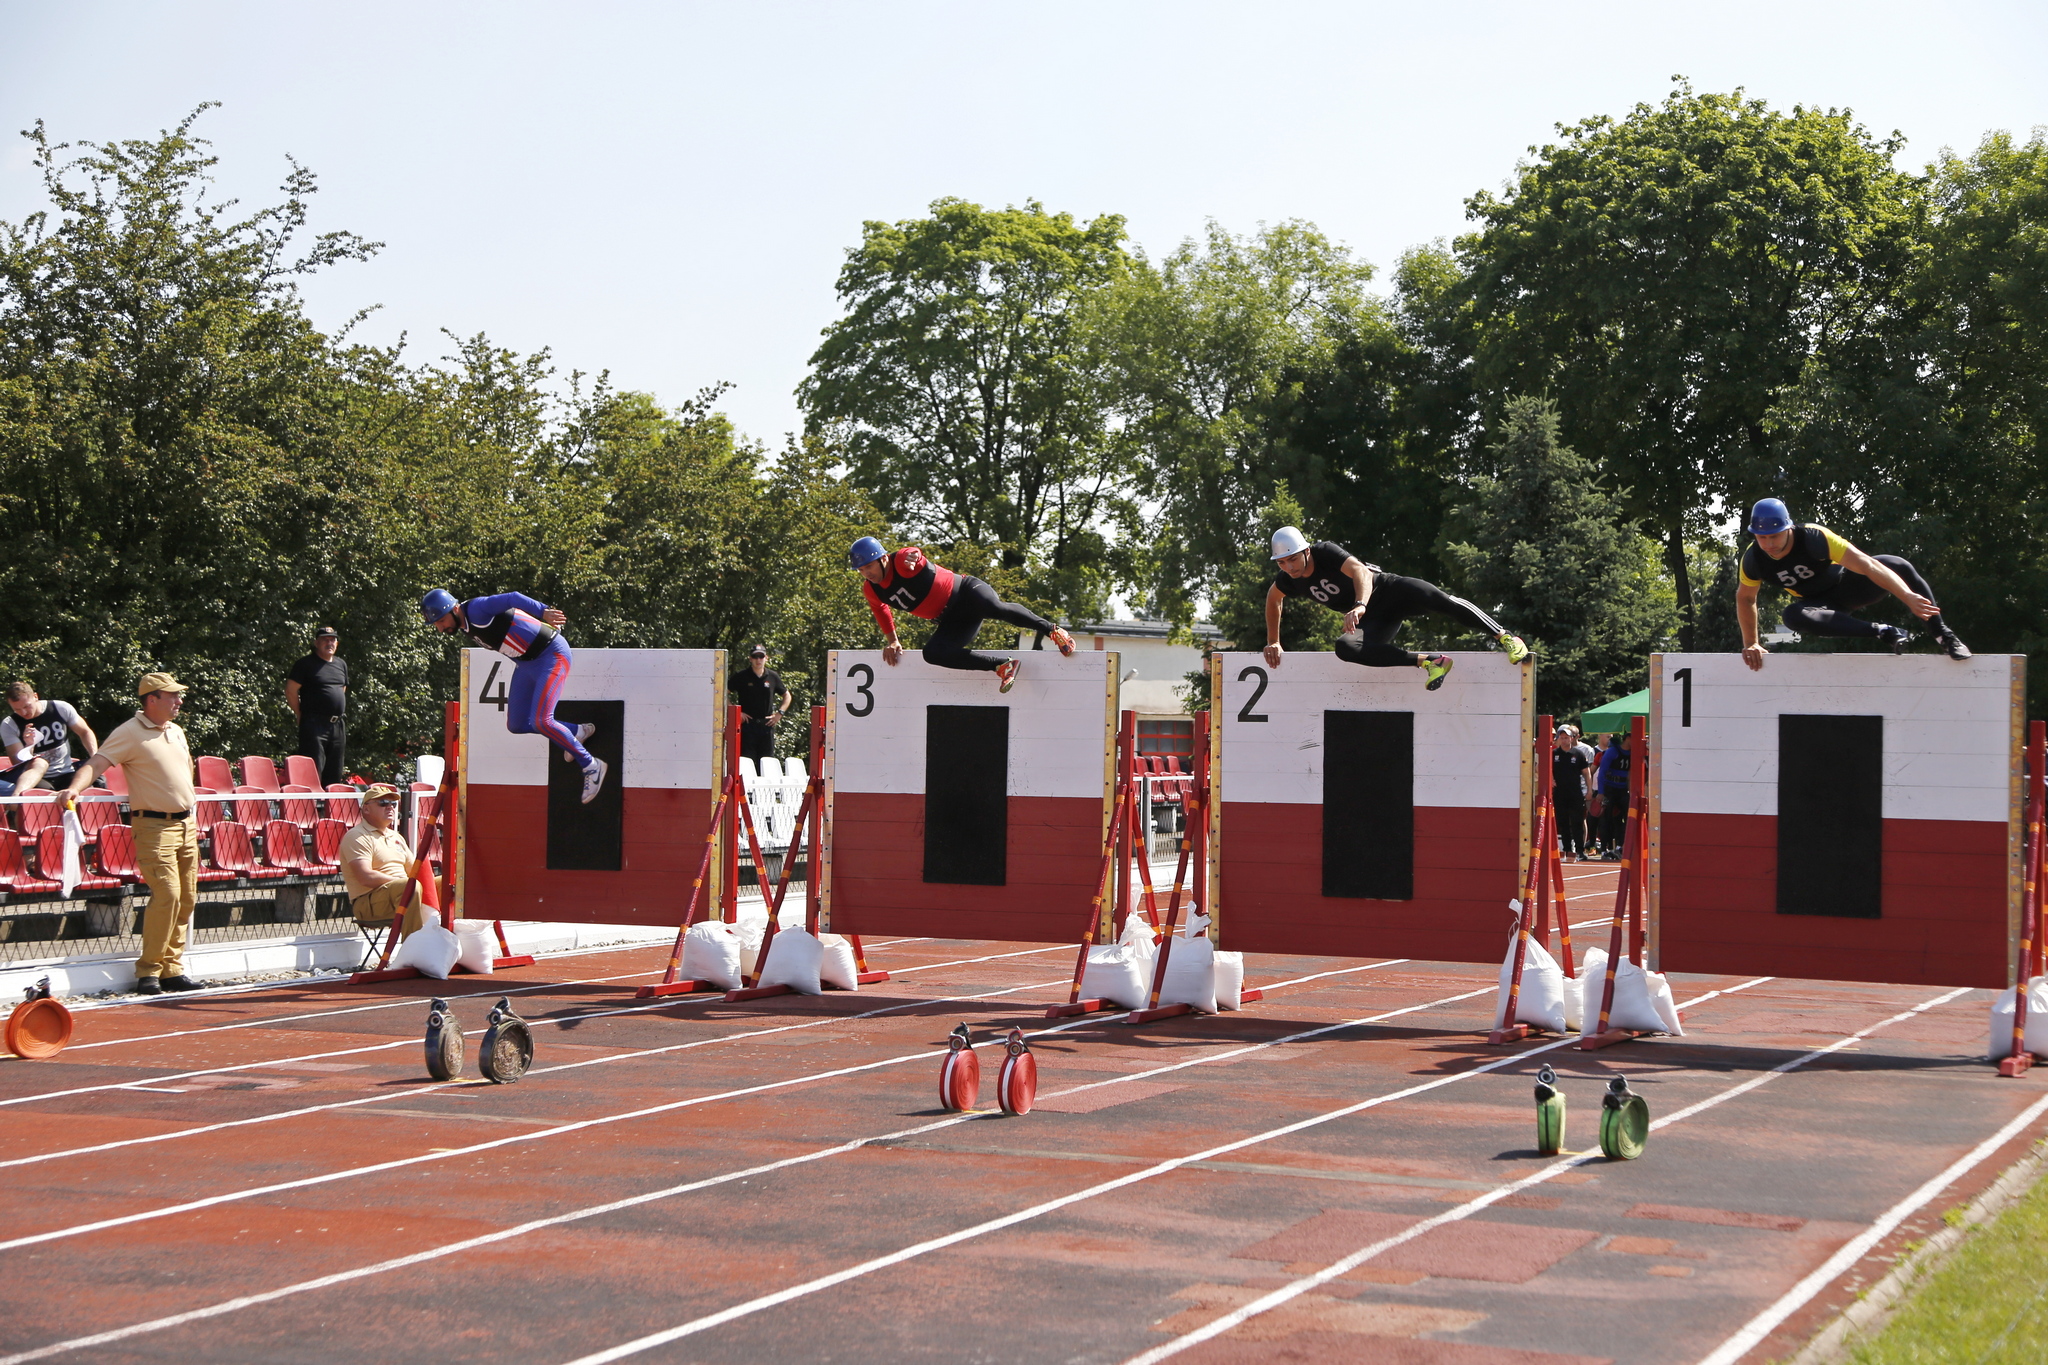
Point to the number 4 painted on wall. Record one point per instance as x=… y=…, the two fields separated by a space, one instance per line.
x=501 y=699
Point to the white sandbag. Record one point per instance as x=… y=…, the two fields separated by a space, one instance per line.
x=751 y=932
x=1540 y=1002
x=1190 y=975
x=2037 y=1021
x=1114 y=976
x=711 y=952
x=793 y=960
x=1138 y=941
x=1229 y=981
x=1642 y=1000
x=837 y=967
x=429 y=950
x=476 y=946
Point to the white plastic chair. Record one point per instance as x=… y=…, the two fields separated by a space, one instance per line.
x=793 y=767
x=747 y=771
x=771 y=766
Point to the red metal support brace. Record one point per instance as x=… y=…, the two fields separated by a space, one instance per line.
x=2019 y=1060
x=669 y=985
x=1627 y=930
x=1105 y=879
x=1535 y=893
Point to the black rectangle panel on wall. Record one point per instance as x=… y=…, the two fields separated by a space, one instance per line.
x=1831 y=816
x=967 y=794
x=1369 y=805
x=588 y=838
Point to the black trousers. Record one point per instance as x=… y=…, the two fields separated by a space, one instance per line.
x=1571 y=822
x=1827 y=613
x=1394 y=599
x=1613 y=819
x=326 y=743
x=973 y=602
x=757 y=739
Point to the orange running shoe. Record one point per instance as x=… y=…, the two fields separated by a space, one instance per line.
x=1064 y=641
x=1007 y=671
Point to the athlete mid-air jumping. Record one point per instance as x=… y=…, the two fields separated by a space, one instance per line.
x=526 y=632
x=957 y=602
x=1828 y=578
x=1374 y=603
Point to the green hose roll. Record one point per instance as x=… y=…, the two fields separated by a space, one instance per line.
x=1549 y=1114
x=1624 y=1122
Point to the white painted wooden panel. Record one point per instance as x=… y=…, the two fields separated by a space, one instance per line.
x=671 y=695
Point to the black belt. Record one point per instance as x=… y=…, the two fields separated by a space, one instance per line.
x=163 y=814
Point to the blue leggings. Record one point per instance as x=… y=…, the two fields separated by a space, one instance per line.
x=536 y=684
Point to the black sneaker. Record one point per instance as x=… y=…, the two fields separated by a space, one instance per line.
x=181 y=983
x=147 y=985
x=1951 y=643
x=1897 y=638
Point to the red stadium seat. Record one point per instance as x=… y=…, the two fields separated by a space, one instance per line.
x=96 y=815
x=259 y=772
x=36 y=816
x=347 y=811
x=115 y=853
x=117 y=781
x=207 y=808
x=284 y=848
x=15 y=876
x=253 y=809
x=215 y=774
x=326 y=860
x=50 y=858
x=234 y=853
x=300 y=771
x=299 y=809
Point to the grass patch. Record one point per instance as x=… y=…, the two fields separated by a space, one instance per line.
x=1988 y=1305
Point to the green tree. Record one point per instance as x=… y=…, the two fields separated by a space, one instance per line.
x=1546 y=545
x=962 y=390
x=1666 y=277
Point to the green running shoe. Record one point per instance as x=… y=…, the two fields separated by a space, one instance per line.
x=1437 y=667
x=1517 y=651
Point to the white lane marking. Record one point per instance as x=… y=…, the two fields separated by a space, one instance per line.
x=561 y=1019
x=487 y=1239
x=1764 y=1323
x=1286 y=1293
x=537 y=1071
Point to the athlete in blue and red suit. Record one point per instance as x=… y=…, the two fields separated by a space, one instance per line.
x=958 y=602
x=526 y=632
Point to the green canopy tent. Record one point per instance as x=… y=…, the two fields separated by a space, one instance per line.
x=1615 y=715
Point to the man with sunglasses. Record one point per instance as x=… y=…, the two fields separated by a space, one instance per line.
x=376 y=864
x=1374 y=604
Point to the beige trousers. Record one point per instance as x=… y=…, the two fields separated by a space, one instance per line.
x=167 y=853
x=378 y=906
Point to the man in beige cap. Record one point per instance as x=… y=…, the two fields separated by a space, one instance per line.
x=151 y=750
x=376 y=865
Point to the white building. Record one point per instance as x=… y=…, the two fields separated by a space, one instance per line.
x=1155 y=676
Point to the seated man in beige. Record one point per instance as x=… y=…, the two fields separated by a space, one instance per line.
x=376 y=865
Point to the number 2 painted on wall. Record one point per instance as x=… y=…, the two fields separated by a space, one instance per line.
x=1245 y=712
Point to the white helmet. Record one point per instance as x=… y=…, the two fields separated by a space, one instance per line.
x=1288 y=540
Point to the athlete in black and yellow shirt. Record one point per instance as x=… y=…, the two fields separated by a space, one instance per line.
x=1828 y=578
x=1374 y=603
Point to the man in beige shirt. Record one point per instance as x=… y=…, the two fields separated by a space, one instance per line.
x=376 y=865
x=151 y=750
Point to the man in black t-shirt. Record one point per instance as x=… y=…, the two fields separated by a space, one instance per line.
x=1374 y=603
x=1568 y=792
x=317 y=691
x=36 y=737
x=758 y=686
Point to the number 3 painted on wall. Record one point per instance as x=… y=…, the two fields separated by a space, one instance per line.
x=864 y=689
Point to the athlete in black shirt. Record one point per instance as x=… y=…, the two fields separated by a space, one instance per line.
x=758 y=687
x=1827 y=578
x=1374 y=603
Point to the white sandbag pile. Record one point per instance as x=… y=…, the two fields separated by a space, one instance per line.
x=838 y=968
x=429 y=950
x=1546 y=1001
x=1122 y=973
x=477 y=949
x=2037 y=1021
x=711 y=952
x=1642 y=1000
x=1191 y=969
x=793 y=961
x=1229 y=981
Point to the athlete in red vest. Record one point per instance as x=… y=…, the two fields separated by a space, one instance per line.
x=958 y=602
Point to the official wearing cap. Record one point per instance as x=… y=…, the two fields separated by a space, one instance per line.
x=758 y=686
x=376 y=864
x=153 y=755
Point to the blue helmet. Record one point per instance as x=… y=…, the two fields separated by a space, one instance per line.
x=866 y=550
x=437 y=604
x=1769 y=517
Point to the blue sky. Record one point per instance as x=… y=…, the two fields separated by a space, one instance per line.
x=666 y=191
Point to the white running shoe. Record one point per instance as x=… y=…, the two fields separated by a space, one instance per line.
x=583 y=734
x=593 y=781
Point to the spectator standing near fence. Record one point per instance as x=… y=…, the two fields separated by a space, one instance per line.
x=317 y=691
x=37 y=741
x=1568 y=793
x=155 y=758
x=1614 y=771
x=758 y=686
x=376 y=863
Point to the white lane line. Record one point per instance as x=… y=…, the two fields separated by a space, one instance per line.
x=1764 y=1323
x=418 y=1002
x=1286 y=1293
x=429 y=1089
x=576 y=1215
